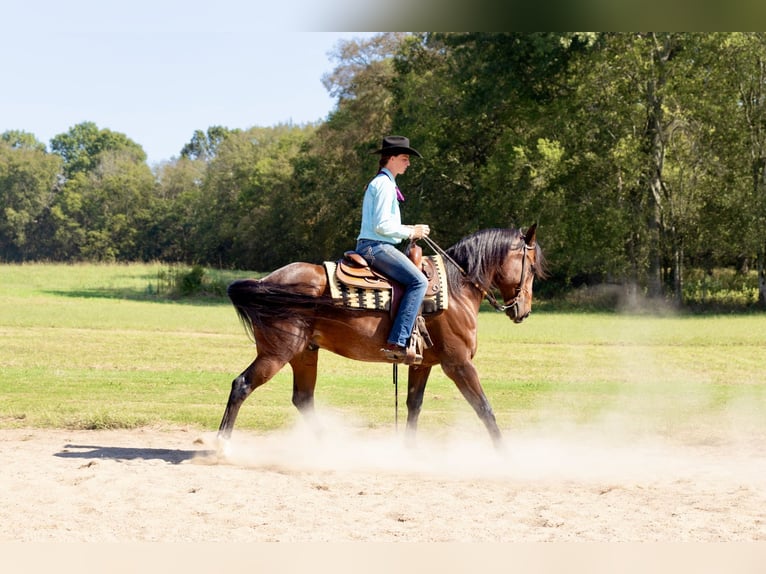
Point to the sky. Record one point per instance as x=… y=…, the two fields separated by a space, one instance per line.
x=158 y=70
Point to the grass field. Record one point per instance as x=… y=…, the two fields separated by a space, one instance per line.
x=94 y=346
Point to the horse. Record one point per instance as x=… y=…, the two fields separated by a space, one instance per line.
x=290 y=315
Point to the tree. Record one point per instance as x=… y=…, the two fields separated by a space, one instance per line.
x=636 y=96
x=102 y=214
x=82 y=145
x=17 y=139
x=268 y=206
x=242 y=220
x=178 y=209
x=28 y=176
x=743 y=70
x=106 y=196
x=204 y=145
x=477 y=101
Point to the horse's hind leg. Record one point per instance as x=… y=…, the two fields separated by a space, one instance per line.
x=261 y=370
x=304 y=367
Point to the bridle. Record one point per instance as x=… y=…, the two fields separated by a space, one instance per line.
x=487 y=294
x=518 y=298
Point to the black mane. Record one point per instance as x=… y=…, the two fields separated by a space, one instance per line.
x=481 y=252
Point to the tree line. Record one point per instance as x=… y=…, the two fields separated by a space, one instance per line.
x=642 y=157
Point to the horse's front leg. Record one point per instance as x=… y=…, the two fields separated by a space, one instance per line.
x=304 y=366
x=467 y=380
x=417 y=378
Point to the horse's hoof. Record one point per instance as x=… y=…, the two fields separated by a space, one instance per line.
x=223 y=447
x=500 y=447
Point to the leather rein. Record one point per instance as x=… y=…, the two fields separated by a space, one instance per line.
x=487 y=293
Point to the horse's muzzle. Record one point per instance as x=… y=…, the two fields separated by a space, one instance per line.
x=518 y=318
x=515 y=312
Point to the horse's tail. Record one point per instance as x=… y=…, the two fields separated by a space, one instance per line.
x=260 y=302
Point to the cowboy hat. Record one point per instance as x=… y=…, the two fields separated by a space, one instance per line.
x=395 y=145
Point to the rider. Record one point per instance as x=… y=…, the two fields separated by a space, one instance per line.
x=381 y=231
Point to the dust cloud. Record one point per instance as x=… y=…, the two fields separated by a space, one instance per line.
x=609 y=450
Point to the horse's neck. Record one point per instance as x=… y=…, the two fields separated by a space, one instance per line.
x=468 y=297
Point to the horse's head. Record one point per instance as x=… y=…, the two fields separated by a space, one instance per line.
x=516 y=275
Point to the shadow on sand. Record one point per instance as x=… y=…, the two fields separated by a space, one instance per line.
x=173 y=456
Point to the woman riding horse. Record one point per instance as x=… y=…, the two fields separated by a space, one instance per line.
x=381 y=231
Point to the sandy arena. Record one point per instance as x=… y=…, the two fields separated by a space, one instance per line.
x=362 y=485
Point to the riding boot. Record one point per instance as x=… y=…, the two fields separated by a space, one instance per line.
x=408 y=355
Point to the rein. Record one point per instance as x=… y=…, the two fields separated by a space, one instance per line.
x=486 y=293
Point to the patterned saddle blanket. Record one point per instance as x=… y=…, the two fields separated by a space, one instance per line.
x=354 y=284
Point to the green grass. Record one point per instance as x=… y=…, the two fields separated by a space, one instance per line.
x=94 y=346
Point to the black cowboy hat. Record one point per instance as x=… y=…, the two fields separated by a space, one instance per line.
x=395 y=145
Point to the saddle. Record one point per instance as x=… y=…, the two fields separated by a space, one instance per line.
x=354 y=271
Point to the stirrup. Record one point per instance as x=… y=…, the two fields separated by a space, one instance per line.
x=408 y=356
x=413 y=357
x=419 y=341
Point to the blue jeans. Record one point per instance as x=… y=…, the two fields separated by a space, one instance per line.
x=395 y=265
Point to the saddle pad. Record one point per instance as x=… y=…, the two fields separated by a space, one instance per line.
x=355 y=297
x=380 y=299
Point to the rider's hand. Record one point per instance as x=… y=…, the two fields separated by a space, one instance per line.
x=420 y=231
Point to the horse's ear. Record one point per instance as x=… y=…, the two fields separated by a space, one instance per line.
x=529 y=236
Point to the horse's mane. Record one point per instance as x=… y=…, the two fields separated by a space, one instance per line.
x=479 y=253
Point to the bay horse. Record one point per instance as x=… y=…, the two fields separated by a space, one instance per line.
x=291 y=315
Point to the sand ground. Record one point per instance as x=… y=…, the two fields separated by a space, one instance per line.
x=172 y=485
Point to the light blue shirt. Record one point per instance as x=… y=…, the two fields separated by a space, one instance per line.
x=381 y=219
